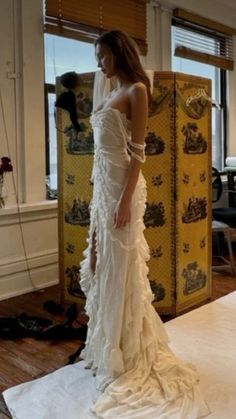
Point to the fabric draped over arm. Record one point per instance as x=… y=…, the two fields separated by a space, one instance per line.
x=134 y=148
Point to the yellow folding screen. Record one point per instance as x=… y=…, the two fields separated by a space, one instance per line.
x=178 y=174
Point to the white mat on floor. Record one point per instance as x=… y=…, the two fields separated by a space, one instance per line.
x=206 y=337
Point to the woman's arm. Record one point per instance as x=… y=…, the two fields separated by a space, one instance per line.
x=139 y=113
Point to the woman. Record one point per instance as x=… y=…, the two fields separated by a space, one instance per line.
x=127 y=346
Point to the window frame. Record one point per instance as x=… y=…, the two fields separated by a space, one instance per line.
x=49 y=88
x=223 y=104
x=222 y=86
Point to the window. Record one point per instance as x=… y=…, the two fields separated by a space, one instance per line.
x=70 y=27
x=61 y=55
x=218 y=78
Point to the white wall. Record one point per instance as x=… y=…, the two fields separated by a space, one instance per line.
x=22 y=94
x=223 y=11
x=28 y=250
x=33 y=243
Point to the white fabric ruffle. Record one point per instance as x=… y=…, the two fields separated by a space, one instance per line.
x=127 y=345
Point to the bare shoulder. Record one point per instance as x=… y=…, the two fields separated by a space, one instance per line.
x=138 y=90
x=138 y=98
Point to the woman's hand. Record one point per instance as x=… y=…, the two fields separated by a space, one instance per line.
x=122 y=214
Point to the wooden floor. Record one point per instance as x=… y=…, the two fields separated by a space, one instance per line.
x=25 y=359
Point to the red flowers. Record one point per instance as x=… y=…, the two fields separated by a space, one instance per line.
x=5 y=165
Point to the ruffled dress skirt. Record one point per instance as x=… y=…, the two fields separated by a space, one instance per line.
x=137 y=374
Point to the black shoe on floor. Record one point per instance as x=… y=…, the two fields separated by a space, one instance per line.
x=62 y=332
x=22 y=326
x=53 y=307
x=71 y=315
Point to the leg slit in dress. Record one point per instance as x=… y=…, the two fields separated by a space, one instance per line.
x=93 y=252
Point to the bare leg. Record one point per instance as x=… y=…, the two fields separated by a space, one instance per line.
x=93 y=255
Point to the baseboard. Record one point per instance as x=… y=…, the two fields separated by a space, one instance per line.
x=15 y=279
x=8 y=295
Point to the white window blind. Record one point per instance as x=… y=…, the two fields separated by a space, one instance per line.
x=199 y=42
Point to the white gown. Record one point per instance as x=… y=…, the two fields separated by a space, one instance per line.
x=127 y=347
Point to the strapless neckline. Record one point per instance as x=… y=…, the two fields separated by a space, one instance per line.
x=115 y=110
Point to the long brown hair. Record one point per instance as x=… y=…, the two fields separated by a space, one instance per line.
x=126 y=56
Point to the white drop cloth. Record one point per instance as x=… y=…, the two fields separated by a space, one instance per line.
x=206 y=337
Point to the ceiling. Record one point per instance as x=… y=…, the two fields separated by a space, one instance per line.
x=230 y=3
